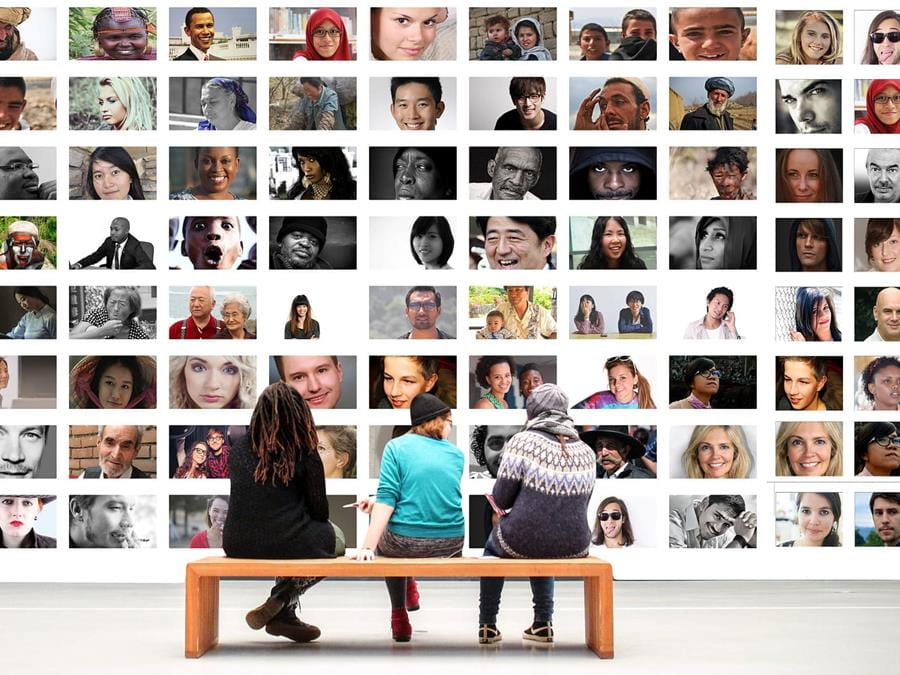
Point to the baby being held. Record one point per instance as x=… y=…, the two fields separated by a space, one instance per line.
x=494 y=328
x=499 y=46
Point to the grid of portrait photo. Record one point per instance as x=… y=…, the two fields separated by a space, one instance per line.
x=661 y=209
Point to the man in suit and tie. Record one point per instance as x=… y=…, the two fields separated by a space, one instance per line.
x=120 y=250
x=199 y=26
x=116 y=449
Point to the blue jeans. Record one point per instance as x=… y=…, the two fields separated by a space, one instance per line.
x=492 y=588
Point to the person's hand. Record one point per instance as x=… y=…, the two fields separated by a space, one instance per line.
x=507 y=52
x=364 y=554
x=584 y=120
x=111 y=327
x=797 y=336
x=47 y=190
x=729 y=320
x=745 y=525
x=364 y=505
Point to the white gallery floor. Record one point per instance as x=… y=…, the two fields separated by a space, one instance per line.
x=661 y=627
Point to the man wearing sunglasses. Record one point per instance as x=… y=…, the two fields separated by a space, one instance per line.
x=18 y=179
x=615 y=451
x=702 y=376
x=423 y=307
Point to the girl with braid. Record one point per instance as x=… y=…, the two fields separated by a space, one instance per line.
x=278 y=506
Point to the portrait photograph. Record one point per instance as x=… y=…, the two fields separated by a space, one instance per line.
x=876 y=107
x=612 y=242
x=703 y=311
x=809 y=37
x=712 y=243
x=808 y=175
x=28 y=243
x=112 y=173
x=312 y=103
x=876 y=451
x=876 y=313
x=32 y=173
x=808 y=519
x=29 y=312
x=612 y=103
x=876 y=519
x=413 y=33
x=111 y=33
x=529 y=106
x=876 y=175
x=306 y=313
x=512 y=173
x=112 y=521
x=27 y=450
x=114 y=382
x=312 y=242
x=712 y=521
x=213 y=34
x=613 y=311
x=40 y=532
x=112 y=103
x=624 y=381
x=111 y=244
x=212 y=103
x=27 y=382
x=412 y=312
x=513 y=34
x=876 y=382
x=112 y=452
x=724 y=173
x=625 y=521
x=486 y=443
x=197 y=521
x=413 y=103
x=809 y=449
x=505 y=382
x=305 y=34
x=394 y=381
x=212 y=173
x=874 y=31
x=312 y=172
x=415 y=243
x=324 y=381
x=224 y=312
x=622 y=451
x=29 y=103
x=408 y=173
x=212 y=243
x=712 y=103
x=381 y=434
x=712 y=33
x=112 y=312
x=202 y=451
x=716 y=381
x=809 y=313
x=212 y=382
x=512 y=312
x=32 y=35
x=808 y=106
x=612 y=173
x=809 y=244
x=513 y=243
x=612 y=34
x=713 y=451
x=876 y=242
x=809 y=383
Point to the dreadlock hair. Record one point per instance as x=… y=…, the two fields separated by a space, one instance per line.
x=281 y=428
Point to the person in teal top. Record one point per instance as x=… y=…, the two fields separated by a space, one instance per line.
x=417 y=510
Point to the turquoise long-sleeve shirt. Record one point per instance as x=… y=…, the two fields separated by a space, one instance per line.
x=420 y=477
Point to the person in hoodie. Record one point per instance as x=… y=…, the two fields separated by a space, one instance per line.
x=528 y=35
x=813 y=246
x=613 y=173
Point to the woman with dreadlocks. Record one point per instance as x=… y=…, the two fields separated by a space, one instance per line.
x=278 y=506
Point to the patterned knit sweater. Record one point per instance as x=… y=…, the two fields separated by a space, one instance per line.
x=547 y=488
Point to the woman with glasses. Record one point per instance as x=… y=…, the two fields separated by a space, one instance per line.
x=527 y=94
x=612 y=526
x=627 y=388
x=326 y=38
x=882 y=109
x=635 y=318
x=877 y=449
x=882 y=40
x=702 y=378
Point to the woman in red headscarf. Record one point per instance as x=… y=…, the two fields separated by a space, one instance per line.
x=326 y=38
x=882 y=109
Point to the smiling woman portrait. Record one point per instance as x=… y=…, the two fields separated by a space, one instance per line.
x=816 y=40
x=112 y=175
x=216 y=169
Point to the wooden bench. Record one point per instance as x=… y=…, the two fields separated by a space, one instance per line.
x=201 y=620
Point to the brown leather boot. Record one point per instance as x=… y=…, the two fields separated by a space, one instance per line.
x=286 y=624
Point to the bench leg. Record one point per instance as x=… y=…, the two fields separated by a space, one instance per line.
x=201 y=614
x=598 y=615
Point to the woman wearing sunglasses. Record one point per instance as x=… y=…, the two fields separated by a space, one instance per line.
x=883 y=40
x=612 y=526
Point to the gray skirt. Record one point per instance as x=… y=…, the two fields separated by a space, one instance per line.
x=394 y=545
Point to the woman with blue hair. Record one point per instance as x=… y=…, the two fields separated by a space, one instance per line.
x=815 y=317
x=225 y=106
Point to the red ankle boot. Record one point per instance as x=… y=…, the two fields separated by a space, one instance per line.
x=412 y=595
x=401 y=630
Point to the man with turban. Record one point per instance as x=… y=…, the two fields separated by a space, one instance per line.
x=11 y=46
x=712 y=116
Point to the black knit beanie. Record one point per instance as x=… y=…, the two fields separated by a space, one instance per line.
x=426 y=407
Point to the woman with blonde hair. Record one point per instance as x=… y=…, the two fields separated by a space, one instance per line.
x=125 y=104
x=212 y=382
x=627 y=387
x=816 y=40
x=809 y=449
x=717 y=451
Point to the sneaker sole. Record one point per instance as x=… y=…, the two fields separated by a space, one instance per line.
x=259 y=617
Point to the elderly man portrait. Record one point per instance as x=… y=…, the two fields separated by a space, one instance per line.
x=527 y=320
x=21 y=248
x=120 y=250
x=21 y=449
x=117 y=447
x=513 y=173
x=11 y=46
x=299 y=243
x=883 y=172
x=886 y=314
x=423 y=308
x=518 y=242
x=616 y=454
x=712 y=115
x=18 y=178
x=623 y=103
x=201 y=324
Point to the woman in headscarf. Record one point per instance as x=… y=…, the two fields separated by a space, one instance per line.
x=326 y=38
x=225 y=106
x=882 y=109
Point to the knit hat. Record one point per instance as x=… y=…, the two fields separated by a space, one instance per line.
x=315 y=226
x=722 y=83
x=546 y=397
x=426 y=407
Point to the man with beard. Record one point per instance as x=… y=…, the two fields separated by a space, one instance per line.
x=624 y=106
x=615 y=451
x=814 y=106
x=885 y=509
x=423 y=307
x=102 y=521
x=728 y=169
x=613 y=173
x=120 y=250
x=117 y=446
x=11 y=46
x=513 y=172
x=883 y=170
x=212 y=242
x=299 y=243
x=702 y=376
x=18 y=179
x=20 y=250
x=712 y=116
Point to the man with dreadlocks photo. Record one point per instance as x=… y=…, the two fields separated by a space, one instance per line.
x=278 y=506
